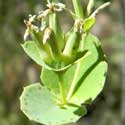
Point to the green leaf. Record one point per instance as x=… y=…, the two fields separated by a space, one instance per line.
x=90 y=77
x=90 y=84
x=50 y=79
x=33 y=52
x=38 y=105
x=88 y=23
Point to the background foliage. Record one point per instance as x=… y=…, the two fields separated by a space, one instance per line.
x=17 y=70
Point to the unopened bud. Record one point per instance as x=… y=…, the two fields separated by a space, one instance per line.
x=26 y=34
x=47 y=34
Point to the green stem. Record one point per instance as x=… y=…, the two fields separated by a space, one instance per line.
x=73 y=84
x=54 y=24
x=61 y=86
x=89 y=7
x=78 y=8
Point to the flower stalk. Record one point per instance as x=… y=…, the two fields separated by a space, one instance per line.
x=61 y=87
x=89 y=7
x=78 y=8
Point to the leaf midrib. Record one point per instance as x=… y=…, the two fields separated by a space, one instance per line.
x=73 y=84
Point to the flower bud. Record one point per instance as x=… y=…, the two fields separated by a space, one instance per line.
x=47 y=34
x=72 y=42
x=26 y=34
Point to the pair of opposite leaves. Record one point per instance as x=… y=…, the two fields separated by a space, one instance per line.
x=87 y=75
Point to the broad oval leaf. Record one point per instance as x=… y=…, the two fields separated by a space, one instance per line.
x=38 y=105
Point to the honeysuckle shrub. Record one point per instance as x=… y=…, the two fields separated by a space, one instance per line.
x=73 y=64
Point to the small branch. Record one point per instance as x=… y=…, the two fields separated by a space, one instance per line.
x=100 y=8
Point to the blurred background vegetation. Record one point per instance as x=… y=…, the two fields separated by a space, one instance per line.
x=17 y=70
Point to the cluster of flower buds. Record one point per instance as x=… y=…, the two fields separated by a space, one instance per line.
x=42 y=17
x=60 y=49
